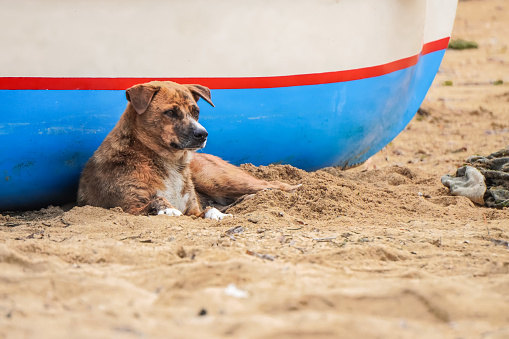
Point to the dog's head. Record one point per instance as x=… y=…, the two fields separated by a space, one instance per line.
x=167 y=113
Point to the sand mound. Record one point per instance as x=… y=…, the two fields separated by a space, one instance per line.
x=396 y=192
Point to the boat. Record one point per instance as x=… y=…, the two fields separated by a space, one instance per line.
x=310 y=83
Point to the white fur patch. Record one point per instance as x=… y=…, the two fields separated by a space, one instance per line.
x=174 y=184
x=214 y=214
x=171 y=212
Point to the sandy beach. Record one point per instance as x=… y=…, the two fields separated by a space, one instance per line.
x=378 y=251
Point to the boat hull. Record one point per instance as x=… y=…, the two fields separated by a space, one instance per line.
x=51 y=125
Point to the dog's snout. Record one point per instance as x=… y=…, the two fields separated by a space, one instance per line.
x=200 y=133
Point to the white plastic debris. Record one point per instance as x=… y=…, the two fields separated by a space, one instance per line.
x=236 y=292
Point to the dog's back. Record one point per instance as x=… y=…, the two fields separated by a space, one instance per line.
x=120 y=173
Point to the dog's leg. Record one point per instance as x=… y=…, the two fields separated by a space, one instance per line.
x=224 y=182
x=162 y=206
x=214 y=214
x=194 y=208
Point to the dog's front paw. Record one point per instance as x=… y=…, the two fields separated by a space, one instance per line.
x=214 y=214
x=170 y=211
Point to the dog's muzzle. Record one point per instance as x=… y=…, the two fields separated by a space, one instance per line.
x=194 y=138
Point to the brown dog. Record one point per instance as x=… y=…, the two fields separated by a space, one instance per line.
x=147 y=163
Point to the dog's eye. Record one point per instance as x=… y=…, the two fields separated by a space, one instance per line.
x=171 y=112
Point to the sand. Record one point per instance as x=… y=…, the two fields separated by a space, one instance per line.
x=378 y=251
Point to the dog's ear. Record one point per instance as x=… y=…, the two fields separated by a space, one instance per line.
x=140 y=96
x=199 y=91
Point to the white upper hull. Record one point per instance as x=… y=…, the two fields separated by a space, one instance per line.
x=203 y=38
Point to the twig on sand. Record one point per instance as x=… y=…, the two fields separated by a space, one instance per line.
x=11 y=224
x=261 y=256
x=329 y=240
x=131 y=237
x=500 y=242
x=65 y=222
x=235 y=230
x=324 y=239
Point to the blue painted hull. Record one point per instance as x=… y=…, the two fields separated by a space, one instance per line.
x=45 y=146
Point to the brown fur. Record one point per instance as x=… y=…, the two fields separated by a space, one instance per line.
x=150 y=153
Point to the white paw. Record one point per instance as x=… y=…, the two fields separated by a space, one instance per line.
x=214 y=214
x=170 y=211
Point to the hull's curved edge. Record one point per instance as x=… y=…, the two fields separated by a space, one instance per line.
x=312 y=126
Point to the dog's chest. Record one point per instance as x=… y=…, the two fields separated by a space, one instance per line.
x=174 y=190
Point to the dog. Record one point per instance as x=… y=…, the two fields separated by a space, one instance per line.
x=148 y=163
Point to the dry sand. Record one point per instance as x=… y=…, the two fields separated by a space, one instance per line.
x=379 y=251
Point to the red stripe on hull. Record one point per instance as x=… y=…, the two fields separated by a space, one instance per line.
x=53 y=83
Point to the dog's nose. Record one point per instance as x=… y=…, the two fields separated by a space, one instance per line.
x=200 y=134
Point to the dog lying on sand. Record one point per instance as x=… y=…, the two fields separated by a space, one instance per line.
x=147 y=164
